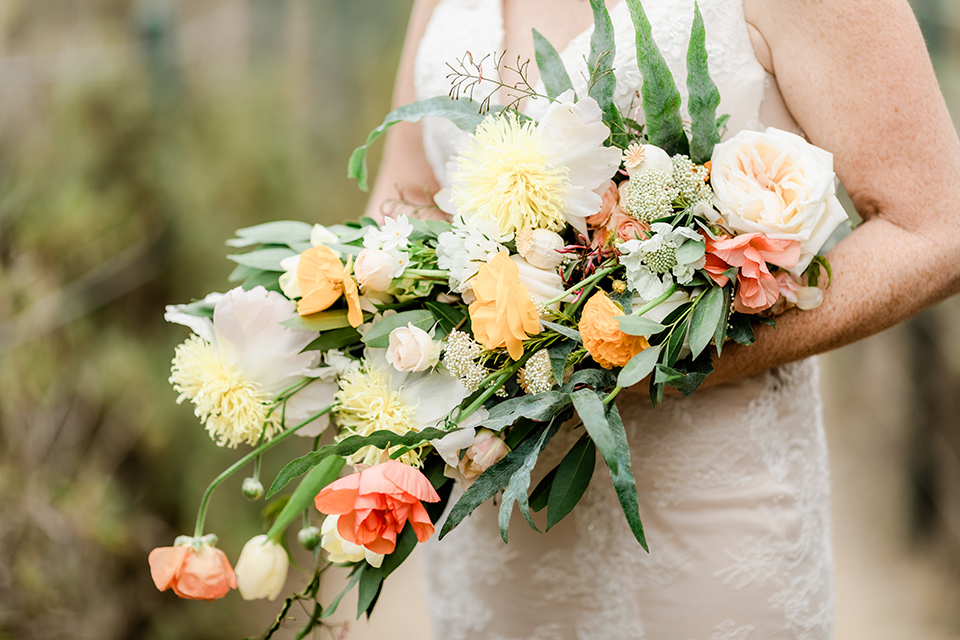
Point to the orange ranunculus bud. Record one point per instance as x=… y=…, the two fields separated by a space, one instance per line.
x=323 y=279
x=200 y=572
x=503 y=313
x=375 y=504
x=602 y=337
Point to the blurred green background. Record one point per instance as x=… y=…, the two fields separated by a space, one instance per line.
x=135 y=136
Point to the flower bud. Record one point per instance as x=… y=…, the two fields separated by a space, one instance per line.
x=412 y=349
x=375 y=269
x=539 y=247
x=487 y=449
x=653 y=158
x=541 y=284
x=261 y=569
x=251 y=489
x=309 y=538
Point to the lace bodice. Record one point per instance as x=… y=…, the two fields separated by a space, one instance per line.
x=733 y=482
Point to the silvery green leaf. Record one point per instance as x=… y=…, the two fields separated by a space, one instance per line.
x=552 y=72
x=690 y=251
x=639 y=367
x=639 y=326
x=704 y=97
x=706 y=315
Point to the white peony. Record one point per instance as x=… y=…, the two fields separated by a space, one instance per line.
x=777 y=184
x=261 y=569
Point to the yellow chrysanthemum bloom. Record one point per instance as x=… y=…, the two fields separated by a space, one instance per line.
x=505 y=175
x=367 y=403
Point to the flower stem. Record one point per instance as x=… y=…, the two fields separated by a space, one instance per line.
x=239 y=464
x=496 y=384
x=596 y=276
x=653 y=303
x=613 y=395
x=425 y=273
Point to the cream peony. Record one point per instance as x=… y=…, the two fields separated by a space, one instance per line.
x=261 y=569
x=412 y=349
x=777 y=184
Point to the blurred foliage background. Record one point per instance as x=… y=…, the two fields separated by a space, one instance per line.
x=135 y=136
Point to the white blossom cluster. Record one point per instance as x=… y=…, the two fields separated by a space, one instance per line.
x=691 y=180
x=460 y=358
x=468 y=245
x=654 y=264
x=537 y=375
x=650 y=196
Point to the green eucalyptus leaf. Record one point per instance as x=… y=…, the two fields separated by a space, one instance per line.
x=622 y=476
x=266 y=279
x=661 y=99
x=720 y=334
x=241 y=273
x=568 y=332
x=465 y=114
x=516 y=491
x=599 y=379
x=335 y=339
x=573 y=476
x=675 y=342
x=378 y=336
x=639 y=367
x=690 y=251
x=302 y=499
x=639 y=326
x=706 y=315
x=278 y=232
x=263 y=259
x=447 y=315
x=559 y=352
x=552 y=72
x=592 y=413
x=704 y=97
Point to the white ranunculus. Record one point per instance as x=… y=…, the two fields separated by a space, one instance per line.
x=261 y=569
x=375 y=269
x=412 y=349
x=777 y=184
x=340 y=551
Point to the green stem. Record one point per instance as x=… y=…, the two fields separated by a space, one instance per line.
x=596 y=276
x=425 y=273
x=653 y=303
x=496 y=384
x=239 y=464
x=613 y=395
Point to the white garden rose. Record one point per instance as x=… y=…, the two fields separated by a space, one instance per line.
x=375 y=269
x=412 y=349
x=777 y=184
x=261 y=569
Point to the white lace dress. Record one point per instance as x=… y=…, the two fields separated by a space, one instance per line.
x=733 y=482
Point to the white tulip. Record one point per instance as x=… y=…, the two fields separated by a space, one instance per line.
x=261 y=569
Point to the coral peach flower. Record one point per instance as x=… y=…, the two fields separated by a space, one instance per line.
x=323 y=279
x=194 y=574
x=503 y=313
x=607 y=344
x=376 y=503
x=758 y=289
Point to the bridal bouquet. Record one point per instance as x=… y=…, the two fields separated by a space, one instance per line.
x=585 y=253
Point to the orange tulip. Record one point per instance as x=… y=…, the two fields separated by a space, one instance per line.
x=605 y=342
x=375 y=504
x=323 y=279
x=194 y=574
x=503 y=314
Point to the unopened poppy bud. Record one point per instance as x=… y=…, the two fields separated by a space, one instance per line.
x=309 y=538
x=251 y=489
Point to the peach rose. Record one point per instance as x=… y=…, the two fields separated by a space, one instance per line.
x=193 y=568
x=610 y=199
x=375 y=504
x=757 y=288
x=323 y=279
x=607 y=344
x=503 y=313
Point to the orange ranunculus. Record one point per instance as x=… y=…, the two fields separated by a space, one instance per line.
x=503 y=313
x=323 y=279
x=375 y=504
x=607 y=344
x=758 y=288
x=195 y=574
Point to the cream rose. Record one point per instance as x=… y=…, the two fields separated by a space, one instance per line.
x=487 y=449
x=777 y=184
x=412 y=349
x=375 y=269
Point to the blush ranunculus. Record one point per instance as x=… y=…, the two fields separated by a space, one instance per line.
x=607 y=344
x=376 y=503
x=503 y=315
x=323 y=279
x=758 y=290
x=194 y=572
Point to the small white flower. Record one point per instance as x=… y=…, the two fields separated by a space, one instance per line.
x=654 y=264
x=394 y=234
x=340 y=551
x=463 y=249
x=261 y=569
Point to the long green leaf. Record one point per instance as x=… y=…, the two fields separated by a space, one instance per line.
x=540 y=407
x=318 y=477
x=568 y=332
x=379 y=335
x=354 y=578
x=706 y=315
x=263 y=259
x=448 y=316
x=720 y=336
x=559 y=351
x=379 y=439
x=336 y=339
x=591 y=411
x=321 y=321
x=622 y=476
x=540 y=495
x=464 y=113
x=704 y=95
x=638 y=325
x=639 y=367
x=661 y=99
x=603 y=83
x=573 y=476
x=277 y=232
x=371 y=582
x=552 y=72
x=519 y=484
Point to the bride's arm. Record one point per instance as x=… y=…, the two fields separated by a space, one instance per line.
x=404 y=168
x=857 y=77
